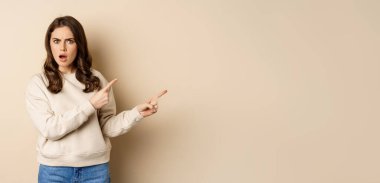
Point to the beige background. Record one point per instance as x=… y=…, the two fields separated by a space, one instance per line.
x=265 y=91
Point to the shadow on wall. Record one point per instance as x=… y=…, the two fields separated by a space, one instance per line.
x=96 y=49
x=140 y=151
x=129 y=151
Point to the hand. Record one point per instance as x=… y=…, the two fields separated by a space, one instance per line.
x=151 y=106
x=100 y=98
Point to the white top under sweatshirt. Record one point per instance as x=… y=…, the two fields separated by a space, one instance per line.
x=71 y=131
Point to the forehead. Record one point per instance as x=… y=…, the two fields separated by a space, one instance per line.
x=62 y=32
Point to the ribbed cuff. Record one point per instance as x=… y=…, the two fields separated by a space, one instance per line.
x=87 y=108
x=135 y=114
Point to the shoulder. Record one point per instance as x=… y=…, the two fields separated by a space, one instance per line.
x=38 y=79
x=37 y=82
x=98 y=74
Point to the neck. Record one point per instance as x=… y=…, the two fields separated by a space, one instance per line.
x=66 y=70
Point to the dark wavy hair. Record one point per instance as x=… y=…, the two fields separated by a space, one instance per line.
x=82 y=62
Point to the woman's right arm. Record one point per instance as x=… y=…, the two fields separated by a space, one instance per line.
x=51 y=125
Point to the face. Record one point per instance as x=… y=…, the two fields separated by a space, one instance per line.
x=64 y=48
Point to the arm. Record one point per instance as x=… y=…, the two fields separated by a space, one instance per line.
x=53 y=126
x=114 y=125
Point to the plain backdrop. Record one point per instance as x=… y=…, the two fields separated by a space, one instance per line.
x=264 y=91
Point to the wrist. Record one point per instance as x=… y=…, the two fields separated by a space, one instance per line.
x=137 y=113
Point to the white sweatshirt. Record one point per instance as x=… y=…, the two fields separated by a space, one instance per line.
x=71 y=131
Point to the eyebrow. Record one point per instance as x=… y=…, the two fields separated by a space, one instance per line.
x=65 y=39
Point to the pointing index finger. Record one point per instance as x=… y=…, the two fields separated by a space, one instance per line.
x=163 y=92
x=154 y=99
x=109 y=85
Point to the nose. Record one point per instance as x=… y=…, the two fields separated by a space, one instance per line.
x=63 y=46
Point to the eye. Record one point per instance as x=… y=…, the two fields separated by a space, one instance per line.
x=55 y=41
x=70 y=41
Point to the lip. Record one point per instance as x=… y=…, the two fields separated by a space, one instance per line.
x=62 y=57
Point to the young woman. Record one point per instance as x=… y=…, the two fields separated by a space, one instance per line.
x=73 y=108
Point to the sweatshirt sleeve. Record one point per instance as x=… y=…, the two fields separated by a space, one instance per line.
x=51 y=125
x=114 y=125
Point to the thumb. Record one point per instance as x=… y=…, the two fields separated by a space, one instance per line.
x=143 y=107
x=153 y=102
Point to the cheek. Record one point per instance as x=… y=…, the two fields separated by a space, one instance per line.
x=74 y=53
x=54 y=49
x=74 y=50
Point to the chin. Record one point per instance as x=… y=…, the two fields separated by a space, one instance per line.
x=64 y=64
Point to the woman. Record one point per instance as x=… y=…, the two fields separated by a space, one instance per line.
x=73 y=108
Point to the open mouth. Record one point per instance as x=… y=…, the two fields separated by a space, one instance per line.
x=62 y=56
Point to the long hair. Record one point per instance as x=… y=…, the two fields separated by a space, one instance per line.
x=82 y=61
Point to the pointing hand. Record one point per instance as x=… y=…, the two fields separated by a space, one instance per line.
x=100 y=98
x=151 y=106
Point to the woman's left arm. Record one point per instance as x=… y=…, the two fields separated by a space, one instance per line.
x=113 y=124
